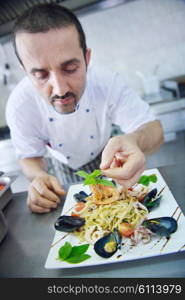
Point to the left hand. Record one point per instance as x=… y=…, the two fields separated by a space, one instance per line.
x=122 y=160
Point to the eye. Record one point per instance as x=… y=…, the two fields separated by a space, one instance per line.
x=41 y=75
x=71 y=69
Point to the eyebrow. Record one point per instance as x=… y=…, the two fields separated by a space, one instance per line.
x=64 y=64
x=71 y=61
x=34 y=70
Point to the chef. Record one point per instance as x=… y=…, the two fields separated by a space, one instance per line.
x=67 y=107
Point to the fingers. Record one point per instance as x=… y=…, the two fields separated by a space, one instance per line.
x=109 y=152
x=129 y=173
x=44 y=194
x=56 y=186
x=134 y=162
x=36 y=202
x=42 y=189
x=37 y=209
x=118 y=160
x=131 y=181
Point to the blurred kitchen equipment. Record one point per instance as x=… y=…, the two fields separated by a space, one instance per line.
x=151 y=84
x=6 y=74
x=8 y=162
x=6 y=192
x=3 y=226
x=176 y=85
x=5 y=196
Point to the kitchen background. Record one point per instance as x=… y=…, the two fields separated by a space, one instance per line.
x=144 y=40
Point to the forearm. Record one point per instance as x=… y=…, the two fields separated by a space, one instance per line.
x=33 y=166
x=149 y=137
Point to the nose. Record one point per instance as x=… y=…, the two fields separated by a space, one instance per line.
x=59 y=84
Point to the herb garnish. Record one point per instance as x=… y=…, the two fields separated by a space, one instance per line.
x=94 y=178
x=145 y=179
x=73 y=254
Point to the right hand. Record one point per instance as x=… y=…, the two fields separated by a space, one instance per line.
x=44 y=193
x=123 y=160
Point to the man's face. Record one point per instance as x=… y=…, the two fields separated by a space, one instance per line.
x=55 y=63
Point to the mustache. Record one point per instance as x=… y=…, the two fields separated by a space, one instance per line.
x=68 y=94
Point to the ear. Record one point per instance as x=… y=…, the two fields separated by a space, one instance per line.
x=88 y=56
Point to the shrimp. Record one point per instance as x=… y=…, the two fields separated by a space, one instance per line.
x=103 y=194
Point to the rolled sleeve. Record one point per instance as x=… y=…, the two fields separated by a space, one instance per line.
x=28 y=146
x=26 y=133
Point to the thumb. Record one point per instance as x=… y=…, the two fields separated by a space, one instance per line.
x=56 y=186
x=108 y=153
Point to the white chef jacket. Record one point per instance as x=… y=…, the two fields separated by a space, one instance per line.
x=77 y=138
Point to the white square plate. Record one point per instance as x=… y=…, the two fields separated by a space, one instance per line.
x=157 y=245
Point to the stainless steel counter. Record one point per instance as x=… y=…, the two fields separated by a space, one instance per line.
x=24 y=250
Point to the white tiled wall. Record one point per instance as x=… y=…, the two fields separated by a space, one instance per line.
x=16 y=73
x=139 y=36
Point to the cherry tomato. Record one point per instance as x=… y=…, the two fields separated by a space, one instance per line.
x=125 y=229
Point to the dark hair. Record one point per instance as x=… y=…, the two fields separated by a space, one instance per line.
x=43 y=17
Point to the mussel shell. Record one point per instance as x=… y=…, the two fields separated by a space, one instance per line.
x=153 y=204
x=118 y=238
x=149 y=201
x=68 y=223
x=114 y=182
x=80 y=197
x=150 y=195
x=100 y=244
x=163 y=226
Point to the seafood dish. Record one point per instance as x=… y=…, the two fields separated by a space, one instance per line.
x=110 y=214
x=118 y=224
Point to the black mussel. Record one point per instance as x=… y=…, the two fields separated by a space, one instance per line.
x=108 y=244
x=114 y=182
x=68 y=223
x=80 y=197
x=163 y=226
x=118 y=238
x=150 y=200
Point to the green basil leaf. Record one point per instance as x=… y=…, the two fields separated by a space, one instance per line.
x=82 y=174
x=92 y=178
x=65 y=251
x=89 y=181
x=77 y=259
x=79 y=250
x=144 y=180
x=153 y=178
x=105 y=182
x=95 y=173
